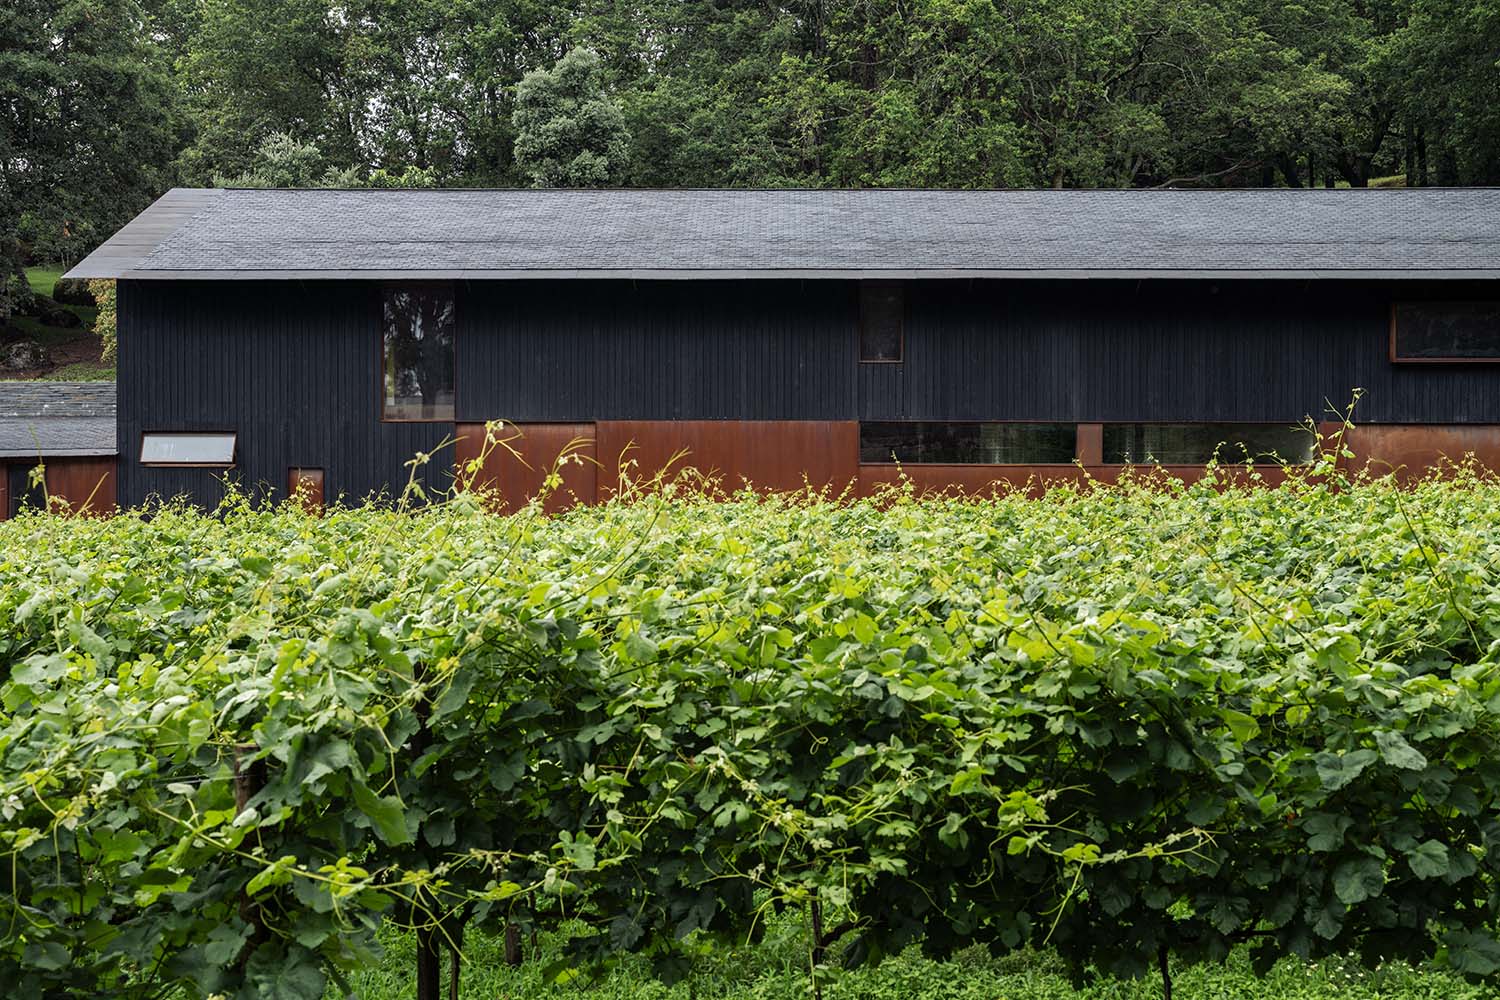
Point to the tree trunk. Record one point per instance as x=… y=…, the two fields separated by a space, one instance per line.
x=1166 y=972
x=1289 y=170
x=429 y=965
x=512 y=945
x=455 y=961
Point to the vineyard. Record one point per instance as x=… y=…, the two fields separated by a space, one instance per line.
x=1140 y=726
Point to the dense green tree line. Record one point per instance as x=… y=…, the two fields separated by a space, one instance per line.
x=104 y=102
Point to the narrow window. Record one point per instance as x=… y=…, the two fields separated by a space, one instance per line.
x=881 y=309
x=1445 y=331
x=1197 y=444
x=418 y=354
x=203 y=450
x=934 y=443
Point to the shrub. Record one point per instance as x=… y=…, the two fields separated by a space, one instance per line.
x=103 y=290
x=1124 y=723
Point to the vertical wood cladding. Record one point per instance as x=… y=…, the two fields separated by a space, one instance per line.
x=1173 y=351
x=769 y=454
x=516 y=468
x=292 y=367
x=691 y=350
x=1086 y=351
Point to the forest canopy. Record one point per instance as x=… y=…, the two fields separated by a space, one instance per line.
x=105 y=103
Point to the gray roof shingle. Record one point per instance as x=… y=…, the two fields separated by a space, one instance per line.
x=246 y=234
x=56 y=419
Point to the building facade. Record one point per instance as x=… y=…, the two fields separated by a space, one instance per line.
x=842 y=339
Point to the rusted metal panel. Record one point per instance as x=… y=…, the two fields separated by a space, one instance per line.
x=87 y=484
x=516 y=467
x=1033 y=480
x=305 y=486
x=965 y=480
x=770 y=455
x=1410 y=451
x=1091 y=444
x=1260 y=475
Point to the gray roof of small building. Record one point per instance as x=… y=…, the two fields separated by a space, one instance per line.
x=393 y=234
x=56 y=419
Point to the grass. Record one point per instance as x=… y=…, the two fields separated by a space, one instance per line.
x=776 y=969
x=42 y=279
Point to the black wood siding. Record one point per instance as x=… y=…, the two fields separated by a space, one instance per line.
x=292 y=368
x=1172 y=351
x=1069 y=351
x=563 y=351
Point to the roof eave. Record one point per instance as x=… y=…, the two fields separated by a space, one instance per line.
x=84 y=270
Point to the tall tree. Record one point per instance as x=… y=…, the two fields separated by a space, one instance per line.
x=569 y=132
x=88 y=128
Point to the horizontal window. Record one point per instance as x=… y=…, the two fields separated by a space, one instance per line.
x=418 y=349
x=1445 y=331
x=201 y=449
x=933 y=443
x=1197 y=444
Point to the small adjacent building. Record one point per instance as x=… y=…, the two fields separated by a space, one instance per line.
x=68 y=428
x=843 y=338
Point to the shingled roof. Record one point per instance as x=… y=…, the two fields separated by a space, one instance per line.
x=676 y=234
x=56 y=419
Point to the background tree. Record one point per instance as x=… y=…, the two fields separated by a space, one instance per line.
x=569 y=132
x=105 y=103
x=88 y=128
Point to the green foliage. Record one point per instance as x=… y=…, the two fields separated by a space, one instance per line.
x=774 y=969
x=1111 y=722
x=106 y=104
x=569 y=132
x=88 y=126
x=103 y=290
x=283 y=162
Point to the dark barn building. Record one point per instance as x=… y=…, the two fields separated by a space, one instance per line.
x=961 y=338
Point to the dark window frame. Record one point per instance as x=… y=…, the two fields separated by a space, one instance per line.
x=234 y=451
x=859 y=331
x=382 y=288
x=1105 y=462
x=979 y=465
x=1402 y=359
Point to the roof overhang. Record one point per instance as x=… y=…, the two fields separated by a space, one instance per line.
x=1427 y=234
x=807 y=274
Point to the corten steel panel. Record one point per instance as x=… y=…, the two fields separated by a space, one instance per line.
x=1263 y=475
x=1090 y=444
x=305 y=486
x=292 y=368
x=1413 y=450
x=87 y=484
x=964 y=480
x=517 y=467
x=771 y=455
x=998 y=480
